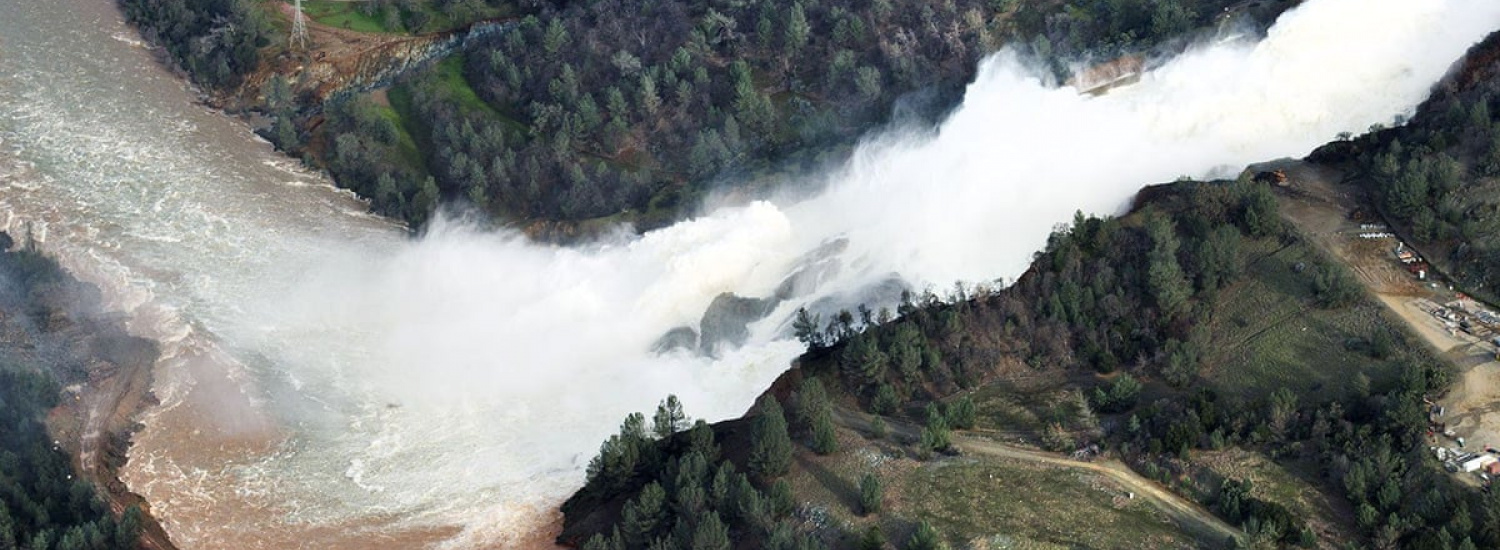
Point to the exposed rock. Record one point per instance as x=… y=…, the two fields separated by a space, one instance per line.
x=677 y=338
x=728 y=319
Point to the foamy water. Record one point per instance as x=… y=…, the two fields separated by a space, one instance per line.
x=330 y=384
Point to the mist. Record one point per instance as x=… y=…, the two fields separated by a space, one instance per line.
x=466 y=377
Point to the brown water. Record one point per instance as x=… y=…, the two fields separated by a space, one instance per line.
x=170 y=208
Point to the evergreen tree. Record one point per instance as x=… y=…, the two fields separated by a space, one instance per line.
x=711 y=534
x=771 y=446
x=644 y=514
x=797 y=28
x=669 y=418
x=925 y=538
x=873 y=539
x=870 y=495
x=885 y=401
x=825 y=438
x=961 y=413
x=806 y=326
x=1165 y=279
x=1218 y=260
x=781 y=498
x=878 y=429
x=701 y=440
x=935 y=437
x=1258 y=209
x=7 y=529
x=863 y=360
x=812 y=400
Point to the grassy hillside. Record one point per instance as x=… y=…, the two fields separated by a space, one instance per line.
x=406 y=16
x=1199 y=339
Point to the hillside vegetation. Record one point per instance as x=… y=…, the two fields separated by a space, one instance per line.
x=589 y=113
x=1438 y=178
x=1198 y=323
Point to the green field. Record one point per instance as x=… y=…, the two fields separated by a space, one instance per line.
x=998 y=502
x=1013 y=504
x=390 y=19
x=406 y=144
x=345 y=15
x=1266 y=331
x=1291 y=485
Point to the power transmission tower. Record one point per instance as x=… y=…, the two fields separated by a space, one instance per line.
x=299 y=27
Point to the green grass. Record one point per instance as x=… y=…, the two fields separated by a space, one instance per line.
x=405 y=144
x=1291 y=485
x=1022 y=505
x=1007 y=407
x=449 y=77
x=1005 y=503
x=345 y=15
x=1267 y=333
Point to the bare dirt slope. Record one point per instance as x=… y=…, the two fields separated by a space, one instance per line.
x=331 y=58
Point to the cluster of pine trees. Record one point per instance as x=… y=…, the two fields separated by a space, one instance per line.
x=1434 y=178
x=593 y=110
x=216 y=42
x=683 y=492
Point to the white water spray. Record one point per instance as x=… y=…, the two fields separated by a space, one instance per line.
x=464 y=379
x=511 y=361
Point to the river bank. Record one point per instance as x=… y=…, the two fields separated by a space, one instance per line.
x=52 y=321
x=97 y=420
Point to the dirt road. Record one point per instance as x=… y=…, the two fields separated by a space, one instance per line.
x=1322 y=208
x=1186 y=513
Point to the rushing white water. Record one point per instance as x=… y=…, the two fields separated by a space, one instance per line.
x=329 y=384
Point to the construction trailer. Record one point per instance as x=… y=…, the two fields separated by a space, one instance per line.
x=1477 y=462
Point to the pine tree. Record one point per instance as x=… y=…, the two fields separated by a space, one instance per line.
x=7 y=530
x=873 y=539
x=771 y=449
x=885 y=401
x=825 y=438
x=878 y=429
x=935 y=437
x=870 y=495
x=556 y=37
x=701 y=440
x=781 y=499
x=925 y=538
x=806 y=325
x=1168 y=285
x=812 y=400
x=644 y=514
x=961 y=414
x=669 y=418
x=863 y=361
x=711 y=534
x=797 y=28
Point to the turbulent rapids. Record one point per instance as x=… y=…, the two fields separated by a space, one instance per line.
x=327 y=382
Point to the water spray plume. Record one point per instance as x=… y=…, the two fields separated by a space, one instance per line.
x=456 y=385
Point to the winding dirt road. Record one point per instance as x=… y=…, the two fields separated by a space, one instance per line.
x=1191 y=516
